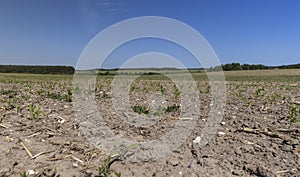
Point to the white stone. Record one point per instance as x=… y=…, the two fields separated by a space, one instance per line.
x=221 y=133
x=197 y=140
x=31 y=172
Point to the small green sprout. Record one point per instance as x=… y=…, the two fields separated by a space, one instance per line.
x=113 y=157
x=69 y=96
x=23 y=174
x=162 y=89
x=140 y=109
x=176 y=92
x=35 y=111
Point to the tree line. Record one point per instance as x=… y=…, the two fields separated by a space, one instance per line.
x=238 y=66
x=71 y=70
x=37 y=69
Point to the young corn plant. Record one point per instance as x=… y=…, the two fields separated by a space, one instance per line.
x=206 y=90
x=69 y=96
x=40 y=92
x=173 y=108
x=140 y=109
x=105 y=95
x=163 y=110
x=23 y=174
x=274 y=97
x=54 y=96
x=132 y=88
x=35 y=111
x=10 y=104
x=176 y=92
x=162 y=89
x=259 y=92
x=113 y=157
x=18 y=108
x=293 y=113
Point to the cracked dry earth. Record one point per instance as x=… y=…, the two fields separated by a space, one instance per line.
x=258 y=136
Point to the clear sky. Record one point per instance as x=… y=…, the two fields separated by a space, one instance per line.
x=54 y=32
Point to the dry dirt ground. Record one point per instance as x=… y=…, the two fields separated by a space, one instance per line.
x=259 y=134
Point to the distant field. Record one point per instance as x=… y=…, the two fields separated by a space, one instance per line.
x=283 y=75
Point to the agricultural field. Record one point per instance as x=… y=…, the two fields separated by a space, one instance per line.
x=258 y=136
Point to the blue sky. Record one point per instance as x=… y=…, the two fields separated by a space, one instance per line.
x=55 y=32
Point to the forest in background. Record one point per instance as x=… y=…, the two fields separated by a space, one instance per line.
x=37 y=69
x=71 y=70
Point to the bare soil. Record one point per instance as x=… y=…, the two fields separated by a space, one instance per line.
x=260 y=131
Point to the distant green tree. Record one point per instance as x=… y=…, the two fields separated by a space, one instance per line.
x=37 y=69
